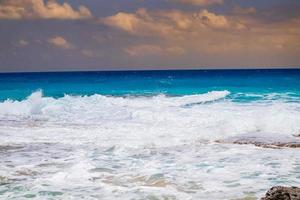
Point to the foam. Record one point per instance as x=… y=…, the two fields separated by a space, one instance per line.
x=134 y=121
x=160 y=147
x=32 y=105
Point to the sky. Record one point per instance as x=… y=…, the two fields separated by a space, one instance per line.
x=84 y=35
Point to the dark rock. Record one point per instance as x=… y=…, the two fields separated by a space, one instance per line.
x=282 y=193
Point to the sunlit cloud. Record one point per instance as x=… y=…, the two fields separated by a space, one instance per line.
x=23 y=42
x=149 y=49
x=201 y=2
x=60 y=42
x=181 y=33
x=171 y=23
x=88 y=53
x=139 y=23
x=218 y=21
x=40 y=9
x=206 y=33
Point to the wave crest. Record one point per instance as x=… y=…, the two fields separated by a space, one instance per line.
x=158 y=119
x=36 y=104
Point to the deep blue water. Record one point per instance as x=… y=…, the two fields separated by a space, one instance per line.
x=17 y=86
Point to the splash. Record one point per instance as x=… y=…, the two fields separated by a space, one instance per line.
x=157 y=120
x=160 y=147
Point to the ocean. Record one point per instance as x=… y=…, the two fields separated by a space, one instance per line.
x=153 y=135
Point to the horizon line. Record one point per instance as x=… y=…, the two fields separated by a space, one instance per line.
x=154 y=69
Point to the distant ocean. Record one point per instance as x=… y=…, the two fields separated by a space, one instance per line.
x=147 y=134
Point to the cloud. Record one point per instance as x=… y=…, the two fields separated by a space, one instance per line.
x=139 y=23
x=23 y=43
x=88 y=53
x=40 y=9
x=60 y=42
x=149 y=49
x=171 y=23
x=206 y=33
x=212 y=20
x=202 y=2
x=198 y=35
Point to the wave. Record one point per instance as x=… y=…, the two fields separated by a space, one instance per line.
x=37 y=104
x=159 y=119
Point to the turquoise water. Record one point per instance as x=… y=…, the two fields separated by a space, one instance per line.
x=153 y=135
x=18 y=86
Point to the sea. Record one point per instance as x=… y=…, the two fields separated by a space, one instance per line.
x=148 y=135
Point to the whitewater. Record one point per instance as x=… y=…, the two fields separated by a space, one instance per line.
x=145 y=147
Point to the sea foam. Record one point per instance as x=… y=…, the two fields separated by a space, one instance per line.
x=208 y=117
x=135 y=147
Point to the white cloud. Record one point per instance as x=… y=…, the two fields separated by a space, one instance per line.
x=40 y=9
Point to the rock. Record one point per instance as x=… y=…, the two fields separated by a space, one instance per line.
x=266 y=140
x=282 y=193
x=269 y=145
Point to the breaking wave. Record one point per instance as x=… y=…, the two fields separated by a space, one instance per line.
x=37 y=104
x=134 y=147
x=143 y=120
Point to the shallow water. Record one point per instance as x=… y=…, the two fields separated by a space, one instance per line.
x=158 y=146
x=194 y=171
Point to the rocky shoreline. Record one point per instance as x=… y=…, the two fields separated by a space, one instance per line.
x=282 y=193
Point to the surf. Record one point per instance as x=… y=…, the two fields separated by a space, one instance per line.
x=186 y=119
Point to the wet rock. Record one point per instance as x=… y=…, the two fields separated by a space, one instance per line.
x=25 y=172
x=269 y=145
x=264 y=140
x=282 y=193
